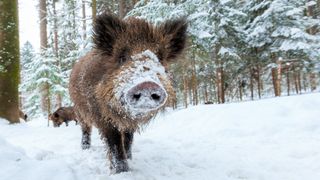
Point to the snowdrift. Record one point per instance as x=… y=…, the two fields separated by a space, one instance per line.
x=271 y=139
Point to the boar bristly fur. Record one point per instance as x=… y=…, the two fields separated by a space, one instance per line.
x=122 y=82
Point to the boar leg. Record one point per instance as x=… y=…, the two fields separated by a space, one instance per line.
x=86 y=135
x=117 y=154
x=128 y=139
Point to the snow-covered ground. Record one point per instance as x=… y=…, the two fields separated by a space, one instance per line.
x=272 y=139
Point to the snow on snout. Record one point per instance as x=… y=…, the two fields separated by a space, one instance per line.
x=146 y=95
x=145 y=68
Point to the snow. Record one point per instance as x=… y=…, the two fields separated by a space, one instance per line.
x=289 y=45
x=227 y=52
x=271 y=139
x=204 y=34
x=311 y=3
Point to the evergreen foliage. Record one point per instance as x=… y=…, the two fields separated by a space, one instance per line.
x=251 y=44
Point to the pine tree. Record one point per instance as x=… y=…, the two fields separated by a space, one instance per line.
x=213 y=29
x=27 y=56
x=38 y=72
x=276 y=32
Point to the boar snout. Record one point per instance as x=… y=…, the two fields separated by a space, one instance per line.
x=146 y=95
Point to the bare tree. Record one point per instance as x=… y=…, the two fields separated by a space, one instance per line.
x=45 y=96
x=94 y=10
x=122 y=8
x=84 y=24
x=56 y=46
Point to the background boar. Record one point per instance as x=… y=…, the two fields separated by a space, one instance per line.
x=122 y=83
x=22 y=115
x=62 y=115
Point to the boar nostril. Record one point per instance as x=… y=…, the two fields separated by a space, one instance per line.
x=155 y=97
x=136 y=96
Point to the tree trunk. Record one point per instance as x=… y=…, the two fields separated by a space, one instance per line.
x=304 y=81
x=94 y=10
x=219 y=83
x=190 y=91
x=259 y=81
x=84 y=23
x=296 y=83
x=313 y=81
x=55 y=30
x=251 y=83
x=122 y=8
x=48 y=108
x=274 y=81
x=240 y=89
x=194 y=82
x=43 y=24
x=311 y=12
x=44 y=89
x=223 y=86
x=185 y=90
x=288 y=81
x=9 y=61
x=279 y=78
x=56 y=48
x=299 y=81
x=206 y=99
x=194 y=89
x=219 y=75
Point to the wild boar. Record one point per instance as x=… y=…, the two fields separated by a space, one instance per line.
x=121 y=84
x=22 y=115
x=63 y=115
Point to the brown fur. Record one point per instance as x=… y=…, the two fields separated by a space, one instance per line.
x=95 y=76
x=63 y=115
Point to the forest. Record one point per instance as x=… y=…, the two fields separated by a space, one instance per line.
x=237 y=50
x=159 y=89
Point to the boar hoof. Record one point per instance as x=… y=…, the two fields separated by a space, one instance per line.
x=85 y=146
x=129 y=154
x=119 y=167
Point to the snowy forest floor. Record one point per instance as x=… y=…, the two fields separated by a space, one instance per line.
x=271 y=139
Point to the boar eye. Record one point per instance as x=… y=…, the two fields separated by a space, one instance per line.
x=123 y=55
x=160 y=55
x=122 y=60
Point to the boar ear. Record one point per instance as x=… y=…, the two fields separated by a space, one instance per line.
x=106 y=30
x=175 y=35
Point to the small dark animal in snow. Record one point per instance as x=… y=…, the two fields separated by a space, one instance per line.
x=122 y=82
x=63 y=115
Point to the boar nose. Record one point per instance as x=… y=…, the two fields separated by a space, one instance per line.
x=146 y=95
